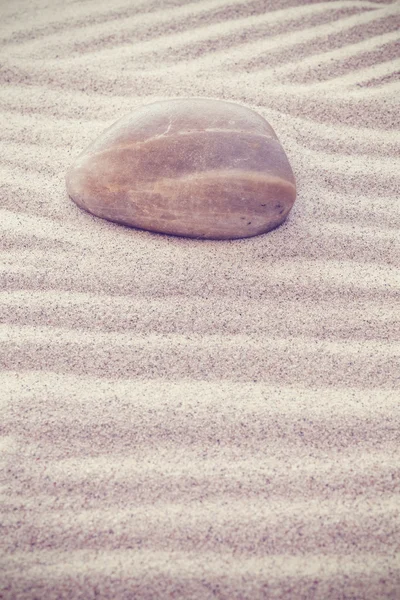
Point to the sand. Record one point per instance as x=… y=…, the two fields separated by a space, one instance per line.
x=201 y=419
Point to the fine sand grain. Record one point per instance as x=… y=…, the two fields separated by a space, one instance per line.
x=200 y=419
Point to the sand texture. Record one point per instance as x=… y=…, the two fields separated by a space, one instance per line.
x=199 y=419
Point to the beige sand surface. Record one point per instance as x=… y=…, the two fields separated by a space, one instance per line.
x=199 y=419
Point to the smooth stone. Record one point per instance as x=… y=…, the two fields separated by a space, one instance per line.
x=190 y=167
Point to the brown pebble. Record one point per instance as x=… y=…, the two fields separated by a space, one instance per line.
x=191 y=167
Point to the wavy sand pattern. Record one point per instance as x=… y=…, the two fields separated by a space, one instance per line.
x=198 y=419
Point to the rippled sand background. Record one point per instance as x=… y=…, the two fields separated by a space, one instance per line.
x=198 y=419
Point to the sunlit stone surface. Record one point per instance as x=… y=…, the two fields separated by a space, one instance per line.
x=191 y=167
